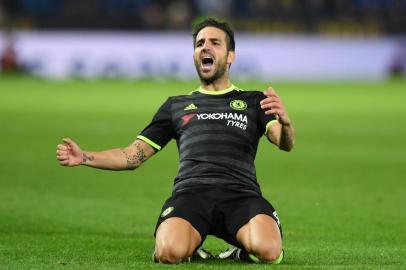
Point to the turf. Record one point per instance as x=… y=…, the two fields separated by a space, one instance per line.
x=340 y=194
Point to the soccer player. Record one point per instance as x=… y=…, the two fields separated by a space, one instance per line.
x=217 y=129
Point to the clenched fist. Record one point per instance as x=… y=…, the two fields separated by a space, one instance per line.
x=69 y=153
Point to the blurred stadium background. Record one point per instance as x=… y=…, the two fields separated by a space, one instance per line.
x=279 y=39
x=97 y=70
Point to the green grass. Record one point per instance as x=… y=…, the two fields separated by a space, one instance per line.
x=340 y=194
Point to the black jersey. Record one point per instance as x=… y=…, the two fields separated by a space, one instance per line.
x=217 y=135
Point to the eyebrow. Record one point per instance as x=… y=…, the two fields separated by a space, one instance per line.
x=211 y=39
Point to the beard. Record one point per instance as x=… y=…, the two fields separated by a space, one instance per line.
x=220 y=70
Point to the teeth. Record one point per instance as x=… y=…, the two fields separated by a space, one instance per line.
x=207 y=57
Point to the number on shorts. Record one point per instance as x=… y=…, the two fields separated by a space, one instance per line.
x=277 y=218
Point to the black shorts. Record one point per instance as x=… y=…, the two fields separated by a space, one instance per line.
x=217 y=211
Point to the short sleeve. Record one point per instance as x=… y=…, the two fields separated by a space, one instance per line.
x=264 y=120
x=159 y=132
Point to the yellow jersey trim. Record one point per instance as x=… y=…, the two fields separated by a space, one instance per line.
x=148 y=141
x=219 y=92
x=269 y=124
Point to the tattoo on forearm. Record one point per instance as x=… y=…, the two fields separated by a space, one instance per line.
x=137 y=158
x=87 y=158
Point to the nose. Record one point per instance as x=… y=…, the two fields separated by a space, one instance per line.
x=206 y=46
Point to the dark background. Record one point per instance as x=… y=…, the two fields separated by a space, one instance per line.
x=369 y=17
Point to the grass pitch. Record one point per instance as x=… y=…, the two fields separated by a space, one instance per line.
x=340 y=194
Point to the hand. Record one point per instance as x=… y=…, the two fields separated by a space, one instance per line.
x=273 y=105
x=69 y=153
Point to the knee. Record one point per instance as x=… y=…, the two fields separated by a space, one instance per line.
x=266 y=252
x=171 y=253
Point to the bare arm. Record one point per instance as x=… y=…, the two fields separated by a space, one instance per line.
x=282 y=132
x=282 y=135
x=127 y=158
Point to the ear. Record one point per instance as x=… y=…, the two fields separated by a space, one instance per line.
x=230 y=57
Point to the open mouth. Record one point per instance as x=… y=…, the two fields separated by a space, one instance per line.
x=207 y=63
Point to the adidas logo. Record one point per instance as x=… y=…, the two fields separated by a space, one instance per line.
x=190 y=107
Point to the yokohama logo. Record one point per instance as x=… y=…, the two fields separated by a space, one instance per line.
x=226 y=116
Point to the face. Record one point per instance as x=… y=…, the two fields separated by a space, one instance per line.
x=211 y=57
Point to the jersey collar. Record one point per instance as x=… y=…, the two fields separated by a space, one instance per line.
x=220 y=92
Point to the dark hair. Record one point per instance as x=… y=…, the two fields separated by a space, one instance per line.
x=218 y=24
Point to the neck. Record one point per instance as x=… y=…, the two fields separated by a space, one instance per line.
x=217 y=85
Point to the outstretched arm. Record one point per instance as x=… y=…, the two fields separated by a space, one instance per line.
x=281 y=133
x=128 y=158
